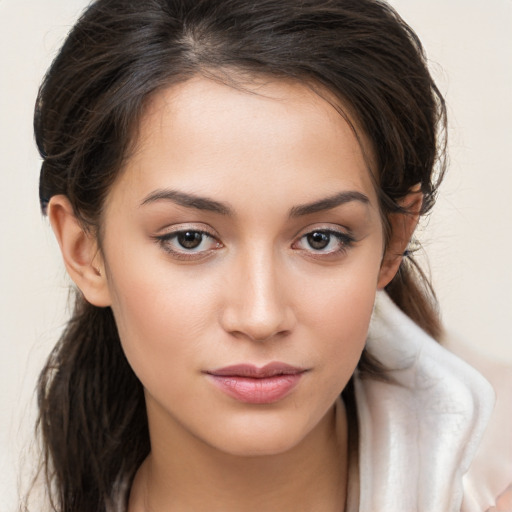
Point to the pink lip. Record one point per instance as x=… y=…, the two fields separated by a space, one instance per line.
x=250 y=384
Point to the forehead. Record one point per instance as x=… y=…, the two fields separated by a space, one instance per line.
x=267 y=135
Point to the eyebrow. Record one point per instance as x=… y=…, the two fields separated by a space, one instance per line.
x=329 y=203
x=188 y=201
x=204 y=203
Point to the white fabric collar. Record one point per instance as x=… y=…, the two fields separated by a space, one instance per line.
x=417 y=436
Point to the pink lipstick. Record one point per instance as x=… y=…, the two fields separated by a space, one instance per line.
x=250 y=384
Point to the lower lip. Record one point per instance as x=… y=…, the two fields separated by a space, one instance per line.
x=257 y=391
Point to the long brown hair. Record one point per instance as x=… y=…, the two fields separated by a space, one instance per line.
x=92 y=414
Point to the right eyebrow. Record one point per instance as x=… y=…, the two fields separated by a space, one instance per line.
x=187 y=200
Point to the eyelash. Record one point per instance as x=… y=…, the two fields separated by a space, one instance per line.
x=166 y=242
x=345 y=241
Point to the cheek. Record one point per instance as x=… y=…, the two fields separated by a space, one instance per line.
x=339 y=314
x=344 y=295
x=343 y=326
x=160 y=315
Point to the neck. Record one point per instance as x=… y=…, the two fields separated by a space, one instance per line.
x=196 y=477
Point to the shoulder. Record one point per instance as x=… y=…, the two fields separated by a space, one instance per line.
x=490 y=473
x=432 y=436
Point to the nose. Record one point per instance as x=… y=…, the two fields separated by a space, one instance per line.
x=257 y=307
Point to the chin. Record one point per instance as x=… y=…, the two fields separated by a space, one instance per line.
x=258 y=437
x=258 y=445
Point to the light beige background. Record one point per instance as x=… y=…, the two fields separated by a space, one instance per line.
x=468 y=239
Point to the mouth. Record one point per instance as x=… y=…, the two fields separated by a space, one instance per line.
x=257 y=385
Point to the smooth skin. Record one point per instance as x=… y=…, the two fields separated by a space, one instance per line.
x=245 y=228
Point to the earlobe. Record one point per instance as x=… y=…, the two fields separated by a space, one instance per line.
x=80 y=252
x=402 y=226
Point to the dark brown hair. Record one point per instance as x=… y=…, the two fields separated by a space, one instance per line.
x=92 y=413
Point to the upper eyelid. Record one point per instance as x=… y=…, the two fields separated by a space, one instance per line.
x=328 y=228
x=345 y=240
x=208 y=230
x=170 y=231
x=166 y=240
x=337 y=234
x=178 y=231
x=344 y=235
x=179 y=228
x=167 y=237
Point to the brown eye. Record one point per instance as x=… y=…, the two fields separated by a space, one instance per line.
x=189 y=239
x=324 y=243
x=189 y=244
x=318 y=240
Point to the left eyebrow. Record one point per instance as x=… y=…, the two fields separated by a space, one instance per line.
x=328 y=203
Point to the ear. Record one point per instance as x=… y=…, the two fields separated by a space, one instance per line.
x=402 y=226
x=80 y=252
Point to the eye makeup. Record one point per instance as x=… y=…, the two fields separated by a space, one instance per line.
x=324 y=242
x=188 y=242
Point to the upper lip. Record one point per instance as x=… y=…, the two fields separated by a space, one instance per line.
x=249 y=370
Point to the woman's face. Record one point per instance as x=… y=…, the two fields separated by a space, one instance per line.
x=242 y=246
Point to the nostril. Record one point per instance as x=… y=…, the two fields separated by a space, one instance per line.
x=261 y=338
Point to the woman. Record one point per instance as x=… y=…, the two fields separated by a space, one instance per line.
x=233 y=186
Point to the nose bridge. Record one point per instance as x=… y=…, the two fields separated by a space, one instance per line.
x=258 y=306
x=261 y=275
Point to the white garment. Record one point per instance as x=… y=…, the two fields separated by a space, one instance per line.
x=419 y=435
